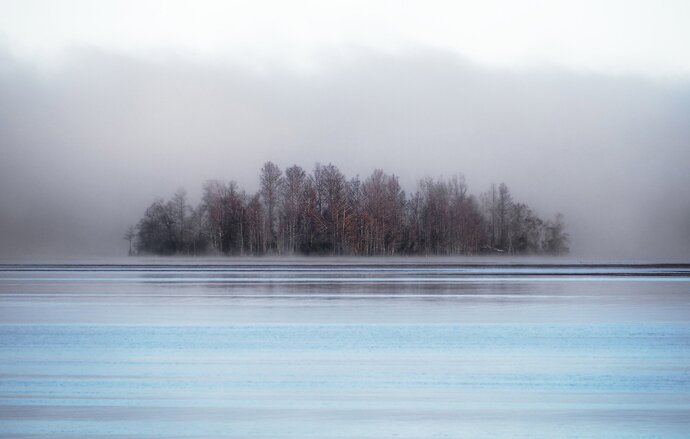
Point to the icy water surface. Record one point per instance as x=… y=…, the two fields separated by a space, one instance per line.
x=344 y=349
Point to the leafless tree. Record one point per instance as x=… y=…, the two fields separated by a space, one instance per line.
x=271 y=181
x=326 y=213
x=129 y=236
x=293 y=206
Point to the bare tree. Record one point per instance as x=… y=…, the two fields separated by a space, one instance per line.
x=333 y=194
x=129 y=236
x=503 y=207
x=180 y=211
x=293 y=200
x=212 y=208
x=156 y=230
x=271 y=182
x=324 y=212
x=255 y=224
x=556 y=239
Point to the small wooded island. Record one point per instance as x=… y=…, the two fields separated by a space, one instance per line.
x=326 y=213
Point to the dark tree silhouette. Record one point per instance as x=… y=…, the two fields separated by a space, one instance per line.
x=129 y=236
x=325 y=213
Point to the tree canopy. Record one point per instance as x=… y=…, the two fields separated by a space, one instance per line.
x=324 y=212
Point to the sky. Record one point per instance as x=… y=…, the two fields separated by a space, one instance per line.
x=580 y=107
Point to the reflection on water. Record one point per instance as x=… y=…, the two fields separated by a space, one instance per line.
x=355 y=350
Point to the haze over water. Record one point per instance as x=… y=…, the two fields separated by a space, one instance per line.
x=344 y=348
x=580 y=108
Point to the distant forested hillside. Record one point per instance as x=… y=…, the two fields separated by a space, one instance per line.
x=324 y=212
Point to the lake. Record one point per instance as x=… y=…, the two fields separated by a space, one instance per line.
x=351 y=348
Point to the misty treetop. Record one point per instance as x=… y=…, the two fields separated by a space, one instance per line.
x=324 y=212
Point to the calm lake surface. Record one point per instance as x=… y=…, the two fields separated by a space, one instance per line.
x=344 y=349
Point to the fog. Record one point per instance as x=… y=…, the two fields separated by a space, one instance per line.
x=88 y=141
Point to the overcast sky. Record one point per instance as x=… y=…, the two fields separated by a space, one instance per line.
x=581 y=107
x=614 y=36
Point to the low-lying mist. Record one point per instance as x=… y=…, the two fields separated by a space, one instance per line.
x=88 y=142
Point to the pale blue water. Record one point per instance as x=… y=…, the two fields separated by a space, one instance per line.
x=366 y=350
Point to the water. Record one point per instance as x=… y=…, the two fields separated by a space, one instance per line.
x=344 y=349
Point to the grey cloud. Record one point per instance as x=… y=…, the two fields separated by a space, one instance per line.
x=86 y=145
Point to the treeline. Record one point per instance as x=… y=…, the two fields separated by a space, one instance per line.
x=326 y=213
